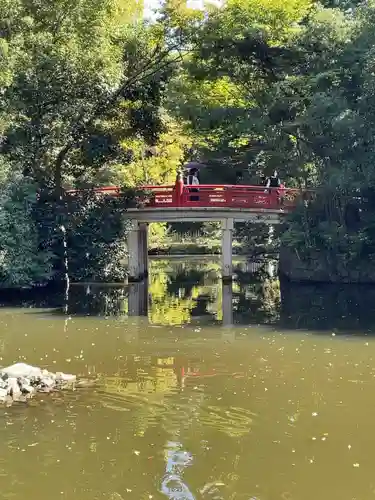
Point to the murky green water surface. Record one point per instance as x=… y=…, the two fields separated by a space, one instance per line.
x=211 y=394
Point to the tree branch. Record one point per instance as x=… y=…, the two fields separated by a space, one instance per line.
x=79 y=132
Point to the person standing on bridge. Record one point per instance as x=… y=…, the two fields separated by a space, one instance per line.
x=273 y=181
x=192 y=180
x=274 y=186
x=239 y=177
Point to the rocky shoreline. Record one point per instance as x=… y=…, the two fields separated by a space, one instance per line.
x=20 y=382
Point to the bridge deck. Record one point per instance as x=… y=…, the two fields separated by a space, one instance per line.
x=205 y=214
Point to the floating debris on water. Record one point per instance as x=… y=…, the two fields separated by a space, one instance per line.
x=20 y=382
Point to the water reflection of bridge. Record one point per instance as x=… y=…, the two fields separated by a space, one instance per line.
x=138 y=301
x=185 y=292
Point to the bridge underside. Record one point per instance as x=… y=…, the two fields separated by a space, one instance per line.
x=137 y=239
x=209 y=214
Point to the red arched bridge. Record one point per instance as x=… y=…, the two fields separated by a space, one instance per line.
x=203 y=202
x=279 y=200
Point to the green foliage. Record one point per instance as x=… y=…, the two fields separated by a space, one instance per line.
x=81 y=87
x=242 y=50
x=22 y=262
x=92 y=95
x=56 y=81
x=289 y=85
x=96 y=237
x=152 y=165
x=61 y=99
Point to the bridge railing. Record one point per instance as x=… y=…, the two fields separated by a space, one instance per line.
x=214 y=195
x=225 y=196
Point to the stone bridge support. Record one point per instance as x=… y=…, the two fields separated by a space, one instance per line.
x=138 y=299
x=227 y=226
x=138 y=251
x=227 y=304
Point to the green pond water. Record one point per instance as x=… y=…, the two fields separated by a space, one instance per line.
x=248 y=392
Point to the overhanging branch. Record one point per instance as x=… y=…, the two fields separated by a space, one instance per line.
x=80 y=131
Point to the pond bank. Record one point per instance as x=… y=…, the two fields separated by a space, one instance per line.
x=191 y=248
x=320 y=267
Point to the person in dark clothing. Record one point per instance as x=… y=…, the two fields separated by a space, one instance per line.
x=273 y=185
x=273 y=181
x=239 y=177
x=192 y=180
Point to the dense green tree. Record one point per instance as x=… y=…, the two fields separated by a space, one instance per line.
x=290 y=86
x=81 y=83
x=73 y=72
x=22 y=262
x=241 y=51
x=90 y=94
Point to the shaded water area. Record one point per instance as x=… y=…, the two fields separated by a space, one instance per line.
x=250 y=392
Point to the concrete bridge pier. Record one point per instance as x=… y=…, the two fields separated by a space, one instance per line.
x=226 y=249
x=138 y=251
x=227 y=304
x=138 y=299
x=143 y=249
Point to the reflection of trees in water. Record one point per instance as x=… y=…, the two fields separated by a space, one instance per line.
x=147 y=386
x=139 y=386
x=190 y=289
x=180 y=291
x=43 y=297
x=235 y=422
x=185 y=280
x=257 y=297
x=328 y=306
x=97 y=300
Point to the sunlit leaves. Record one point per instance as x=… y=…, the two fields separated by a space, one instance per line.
x=240 y=50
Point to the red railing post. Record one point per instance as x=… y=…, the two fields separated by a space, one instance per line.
x=228 y=194
x=184 y=195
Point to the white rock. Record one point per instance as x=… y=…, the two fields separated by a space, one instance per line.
x=22 y=370
x=48 y=382
x=65 y=377
x=13 y=388
x=28 y=388
x=47 y=374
